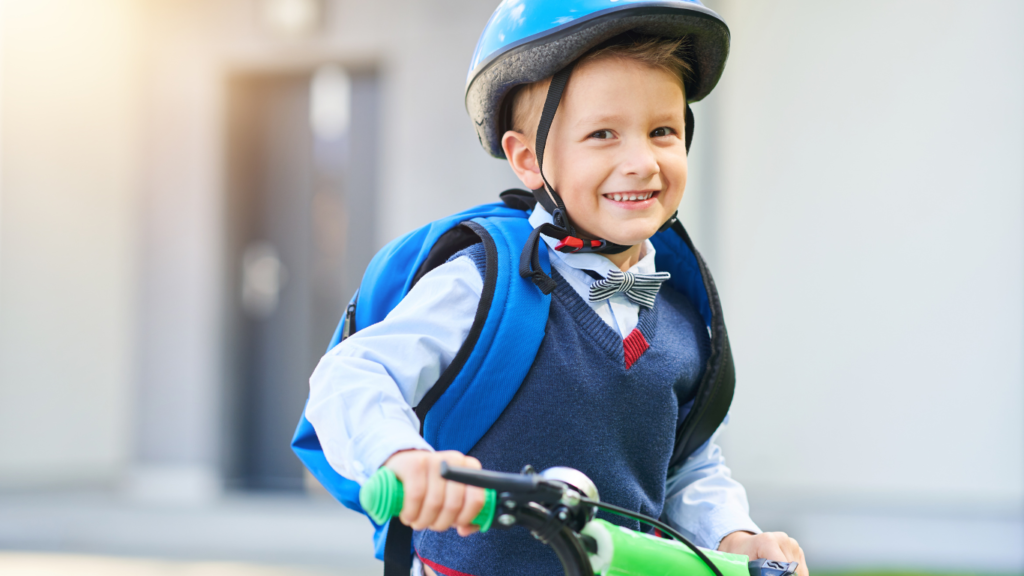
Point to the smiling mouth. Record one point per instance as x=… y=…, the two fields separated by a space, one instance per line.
x=631 y=196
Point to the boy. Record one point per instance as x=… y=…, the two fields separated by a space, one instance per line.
x=624 y=353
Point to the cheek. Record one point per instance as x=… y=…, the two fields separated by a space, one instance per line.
x=675 y=170
x=583 y=178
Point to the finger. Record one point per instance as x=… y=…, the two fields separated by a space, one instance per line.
x=790 y=548
x=802 y=569
x=466 y=531
x=471 y=495
x=434 y=498
x=454 y=497
x=474 y=503
x=769 y=549
x=414 y=486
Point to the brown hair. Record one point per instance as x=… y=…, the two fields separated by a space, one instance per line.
x=668 y=54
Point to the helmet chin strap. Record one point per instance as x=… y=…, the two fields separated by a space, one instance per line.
x=562 y=228
x=570 y=241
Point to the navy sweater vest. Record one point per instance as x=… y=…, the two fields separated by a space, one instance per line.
x=593 y=402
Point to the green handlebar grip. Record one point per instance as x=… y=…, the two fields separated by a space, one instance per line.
x=382 y=496
x=624 y=552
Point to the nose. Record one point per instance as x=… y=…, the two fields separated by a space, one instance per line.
x=639 y=160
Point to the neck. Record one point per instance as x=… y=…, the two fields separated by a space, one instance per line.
x=627 y=259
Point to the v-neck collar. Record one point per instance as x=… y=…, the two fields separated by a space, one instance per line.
x=630 y=349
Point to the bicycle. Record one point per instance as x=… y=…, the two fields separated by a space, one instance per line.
x=559 y=506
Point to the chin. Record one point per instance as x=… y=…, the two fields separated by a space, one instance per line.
x=635 y=235
x=630 y=240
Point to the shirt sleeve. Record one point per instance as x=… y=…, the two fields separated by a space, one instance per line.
x=703 y=501
x=362 y=391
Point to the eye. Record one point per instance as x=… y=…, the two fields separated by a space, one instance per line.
x=602 y=135
x=662 y=132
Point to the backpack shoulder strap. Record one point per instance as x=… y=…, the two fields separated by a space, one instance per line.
x=491 y=364
x=487 y=371
x=388 y=278
x=676 y=254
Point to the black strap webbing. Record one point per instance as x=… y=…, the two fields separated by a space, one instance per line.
x=398 y=549
x=398 y=545
x=550 y=200
x=689 y=127
x=715 y=390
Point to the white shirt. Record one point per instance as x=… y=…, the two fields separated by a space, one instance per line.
x=363 y=390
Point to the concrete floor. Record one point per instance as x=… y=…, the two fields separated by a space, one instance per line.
x=96 y=533
x=56 y=564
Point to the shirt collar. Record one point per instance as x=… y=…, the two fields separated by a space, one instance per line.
x=590 y=260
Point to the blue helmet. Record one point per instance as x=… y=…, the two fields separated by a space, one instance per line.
x=529 y=40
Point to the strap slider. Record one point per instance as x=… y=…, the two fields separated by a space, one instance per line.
x=558 y=218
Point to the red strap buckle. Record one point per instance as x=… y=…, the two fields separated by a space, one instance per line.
x=572 y=244
x=569 y=244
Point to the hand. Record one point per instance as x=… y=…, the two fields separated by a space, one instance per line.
x=431 y=501
x=770 y=545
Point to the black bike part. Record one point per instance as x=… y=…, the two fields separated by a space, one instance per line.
x=589 y=544
x=524 y=486
x=657 y=524
x=715 y=390
x=764 y=567
x=563 y=540
x=398 y=545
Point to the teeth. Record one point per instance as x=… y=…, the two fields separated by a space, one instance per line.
x=630 y=197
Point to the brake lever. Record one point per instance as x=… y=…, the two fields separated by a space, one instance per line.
x=530 y=485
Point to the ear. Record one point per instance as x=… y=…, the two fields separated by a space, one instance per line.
x=522 y=159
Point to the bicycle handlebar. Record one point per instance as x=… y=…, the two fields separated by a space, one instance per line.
x=557 y=515
x=532 y=484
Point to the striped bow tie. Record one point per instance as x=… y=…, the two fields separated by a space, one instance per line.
x=640 y=288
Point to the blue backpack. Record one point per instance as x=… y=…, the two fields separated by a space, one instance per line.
x=507 y=332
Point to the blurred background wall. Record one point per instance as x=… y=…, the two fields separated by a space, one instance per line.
x=869 y=236
x=190 y=190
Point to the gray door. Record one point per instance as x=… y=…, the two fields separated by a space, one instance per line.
x=301 y=150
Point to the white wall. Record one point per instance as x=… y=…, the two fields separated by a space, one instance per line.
x=856 y=185
x=67 y=248
x=178 y=383
x=430 y=165
x=870 y=249
x=435 y=165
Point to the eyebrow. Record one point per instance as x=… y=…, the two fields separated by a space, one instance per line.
x=598 y=119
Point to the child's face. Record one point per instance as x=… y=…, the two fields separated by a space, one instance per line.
x=619 y=134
